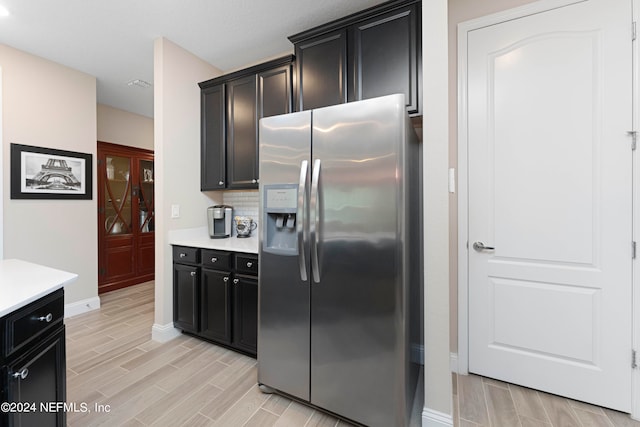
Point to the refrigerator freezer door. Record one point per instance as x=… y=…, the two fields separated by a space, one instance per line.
x=357 y=308
x=283 y=332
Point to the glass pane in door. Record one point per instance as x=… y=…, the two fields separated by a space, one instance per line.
x=117 y=193
x=145 y=196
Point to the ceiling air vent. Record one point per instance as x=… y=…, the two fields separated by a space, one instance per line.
x=139 y=83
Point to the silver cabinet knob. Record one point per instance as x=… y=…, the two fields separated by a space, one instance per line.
x=225 y=279
x=479 y=247
x=214 y=259
x=220 y=182
x=48 y=318
x=193 y=273
x=22 y=374
x=236 y=281
x=254 y=181
x=183 y=255
x=249 y=264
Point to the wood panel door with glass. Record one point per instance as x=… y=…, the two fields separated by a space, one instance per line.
x=126 y=240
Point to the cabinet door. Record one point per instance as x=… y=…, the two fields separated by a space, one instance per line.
x=242 y=147
x=144 y=196
x=215 y=306
x=212 y=149
x=245 y=322
x=384 y=56
x=321 y=70
x=185 y=297
x=39 y=377
x=274 y=92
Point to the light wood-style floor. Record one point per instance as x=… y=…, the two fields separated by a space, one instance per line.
x=126 y=379
x=486 y=402
x=113 y=363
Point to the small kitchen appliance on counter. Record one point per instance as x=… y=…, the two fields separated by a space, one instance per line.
x=219 y=221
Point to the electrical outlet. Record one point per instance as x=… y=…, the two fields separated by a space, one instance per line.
x=175 y=211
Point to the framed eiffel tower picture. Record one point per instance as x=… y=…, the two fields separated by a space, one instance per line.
x=47 y=173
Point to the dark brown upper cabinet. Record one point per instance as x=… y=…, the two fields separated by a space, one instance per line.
x=371 y=53
x=231 y=106
x=322 y=70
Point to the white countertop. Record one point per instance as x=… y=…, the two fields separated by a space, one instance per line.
x=199 y=238
x=23 y=282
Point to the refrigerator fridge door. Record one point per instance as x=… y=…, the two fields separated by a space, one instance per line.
x=283 y=333
x=357 y=238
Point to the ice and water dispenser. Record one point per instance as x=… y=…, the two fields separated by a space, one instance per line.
x=280 y=207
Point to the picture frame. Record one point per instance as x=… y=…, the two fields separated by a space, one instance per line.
x=47 y=173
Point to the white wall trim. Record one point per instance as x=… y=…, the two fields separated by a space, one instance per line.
x=164 y=333
x=453 y=362
x=635 y=307
x=431 y=418
x=80 y=307
x=463 y=208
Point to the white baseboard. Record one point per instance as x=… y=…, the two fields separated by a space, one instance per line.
x=453 y=362
x=164 y=333
x=431 y=418
x=84 y=306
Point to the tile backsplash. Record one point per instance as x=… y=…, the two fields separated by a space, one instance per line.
x=245 y=203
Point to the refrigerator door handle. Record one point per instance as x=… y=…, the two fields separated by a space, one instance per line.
x=302 y=187
x=315 y=216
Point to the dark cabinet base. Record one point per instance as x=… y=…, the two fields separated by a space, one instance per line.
x=216 y=297
x=33 y=364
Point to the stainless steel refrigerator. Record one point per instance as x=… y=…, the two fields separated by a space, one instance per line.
x=340 y=280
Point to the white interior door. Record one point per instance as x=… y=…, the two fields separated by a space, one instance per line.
x=550 y=196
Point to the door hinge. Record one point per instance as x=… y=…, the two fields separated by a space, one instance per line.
x=634 y=361
x=633 y=31
x=633 y=250
x=634 y=137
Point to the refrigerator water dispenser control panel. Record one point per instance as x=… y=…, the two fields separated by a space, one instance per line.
x=280 y=207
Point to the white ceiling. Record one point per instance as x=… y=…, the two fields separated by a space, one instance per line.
x=113 y=39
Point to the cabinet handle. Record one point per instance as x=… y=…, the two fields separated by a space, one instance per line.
x=220 y=182
x=249 y=264
x=183 y=255
x=235 y=281
x=22 y=374
x=193 y=273
x=214 y=259
x=254 y=181
x=225 y=279
x=48 y=318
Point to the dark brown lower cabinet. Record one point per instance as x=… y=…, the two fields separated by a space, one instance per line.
x=33 y=366
x=216 y=296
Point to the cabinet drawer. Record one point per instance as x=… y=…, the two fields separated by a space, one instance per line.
x=186 y=254
x=247 y=263
x=217 y=260
x=32 y=321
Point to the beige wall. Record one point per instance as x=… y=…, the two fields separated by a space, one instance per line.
x=437 y=405
x=461 y=11
x=177 y=160
x=48 y=105
x=124 y=128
